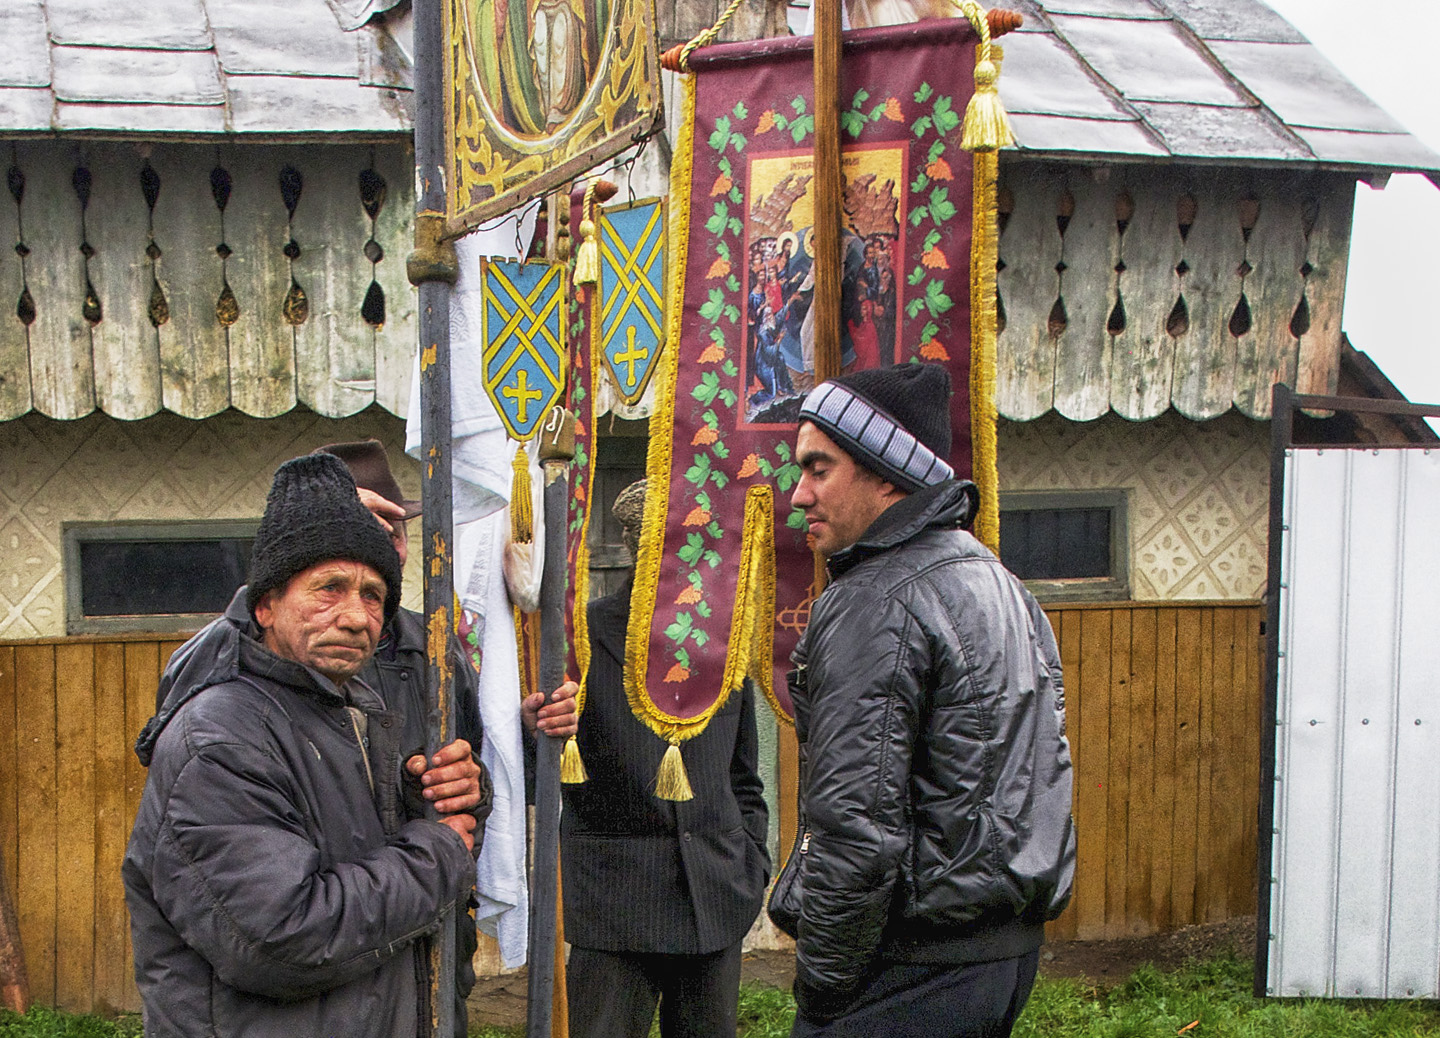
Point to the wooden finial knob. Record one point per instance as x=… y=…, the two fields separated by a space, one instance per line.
x=1002 y=21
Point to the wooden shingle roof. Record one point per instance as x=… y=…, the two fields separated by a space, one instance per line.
x=1199 y=81
x=200 y=68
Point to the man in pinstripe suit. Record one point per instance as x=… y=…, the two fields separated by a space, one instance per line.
x=658 y=894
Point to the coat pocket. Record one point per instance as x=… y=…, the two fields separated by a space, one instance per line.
x=787 y=896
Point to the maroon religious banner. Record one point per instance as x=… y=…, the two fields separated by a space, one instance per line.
x=725 y=577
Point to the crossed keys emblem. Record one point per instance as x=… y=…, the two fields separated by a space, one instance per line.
x=523 y=327
x=632 y=278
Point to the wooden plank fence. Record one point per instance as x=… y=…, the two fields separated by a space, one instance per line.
x=1164 y=706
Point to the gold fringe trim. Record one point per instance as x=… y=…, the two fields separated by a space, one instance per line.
x=572 y=768
x=522 y=508
x=987 y=127
x=984 y=248
x=752 y=625
x=587 y=258
x=671 y=782
x=659 y=455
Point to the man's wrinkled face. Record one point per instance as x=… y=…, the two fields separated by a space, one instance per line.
x=840 y=499
x=327 y=617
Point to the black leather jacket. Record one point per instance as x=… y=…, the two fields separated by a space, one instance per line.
x=936 y=780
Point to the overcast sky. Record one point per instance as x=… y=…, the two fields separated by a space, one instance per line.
x=1392 y=302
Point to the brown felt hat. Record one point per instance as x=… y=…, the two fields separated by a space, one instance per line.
x=367 y=462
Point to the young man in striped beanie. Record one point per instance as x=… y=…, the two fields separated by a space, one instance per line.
x=936 y=784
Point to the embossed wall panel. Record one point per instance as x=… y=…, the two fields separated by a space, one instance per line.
x=165 y=467
x=1196 y=491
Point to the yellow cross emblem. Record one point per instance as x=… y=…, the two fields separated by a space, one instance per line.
x=632 y=310
x=523 y=328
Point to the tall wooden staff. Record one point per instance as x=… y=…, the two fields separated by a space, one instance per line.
x=557 y=448
x=432 y=268
x=828 y=189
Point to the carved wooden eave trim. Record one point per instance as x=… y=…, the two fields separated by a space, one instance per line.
x=1137 y=289
x=200 y=279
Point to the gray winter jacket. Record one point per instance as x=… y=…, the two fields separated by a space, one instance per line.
x=935 y=771
x=274 y=885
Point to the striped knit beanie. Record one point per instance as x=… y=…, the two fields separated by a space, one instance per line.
x=893 y=421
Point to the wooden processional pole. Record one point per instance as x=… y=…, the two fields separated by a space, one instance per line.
x=828 y=190
x=432 y=268
x=825 y=304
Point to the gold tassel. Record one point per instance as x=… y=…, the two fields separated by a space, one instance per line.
x=671 y=783
x=572 y=768
x=587 y=257
x=522 y=509
x=987 y=128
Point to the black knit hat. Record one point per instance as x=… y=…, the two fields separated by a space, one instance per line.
x=893 y=421
x=313 y=515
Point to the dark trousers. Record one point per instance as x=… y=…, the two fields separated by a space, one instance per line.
x=613 y=994
x=901 y=1000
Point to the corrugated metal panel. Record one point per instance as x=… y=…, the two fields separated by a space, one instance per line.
x=1148 y=61
x=282 y=37
x=24 y=48
x=137 y=76
x=1355 y=910
x=154 y=24
x=1301 y=86
x=261 y=104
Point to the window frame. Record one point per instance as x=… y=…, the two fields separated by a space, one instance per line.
x=1115 y=587
x=74 y=534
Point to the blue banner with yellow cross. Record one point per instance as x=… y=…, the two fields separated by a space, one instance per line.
x=523 y=329
x=632 y=292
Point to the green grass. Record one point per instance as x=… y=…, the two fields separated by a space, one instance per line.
x=1214 y=996
x=49 y=1023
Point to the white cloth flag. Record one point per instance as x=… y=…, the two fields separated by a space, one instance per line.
x=481 y=456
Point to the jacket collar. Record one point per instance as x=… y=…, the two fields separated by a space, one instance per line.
x=944 y=506
x=228 y=648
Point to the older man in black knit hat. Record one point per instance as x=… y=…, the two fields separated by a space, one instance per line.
x=935 y=774
x=280 y=874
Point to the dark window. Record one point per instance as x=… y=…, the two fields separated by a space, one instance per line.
x=143 y=576
x=1056 y=543
x=1067 y=545
x=619 y=461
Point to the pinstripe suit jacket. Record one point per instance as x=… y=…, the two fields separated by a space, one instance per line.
x=648 y=875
